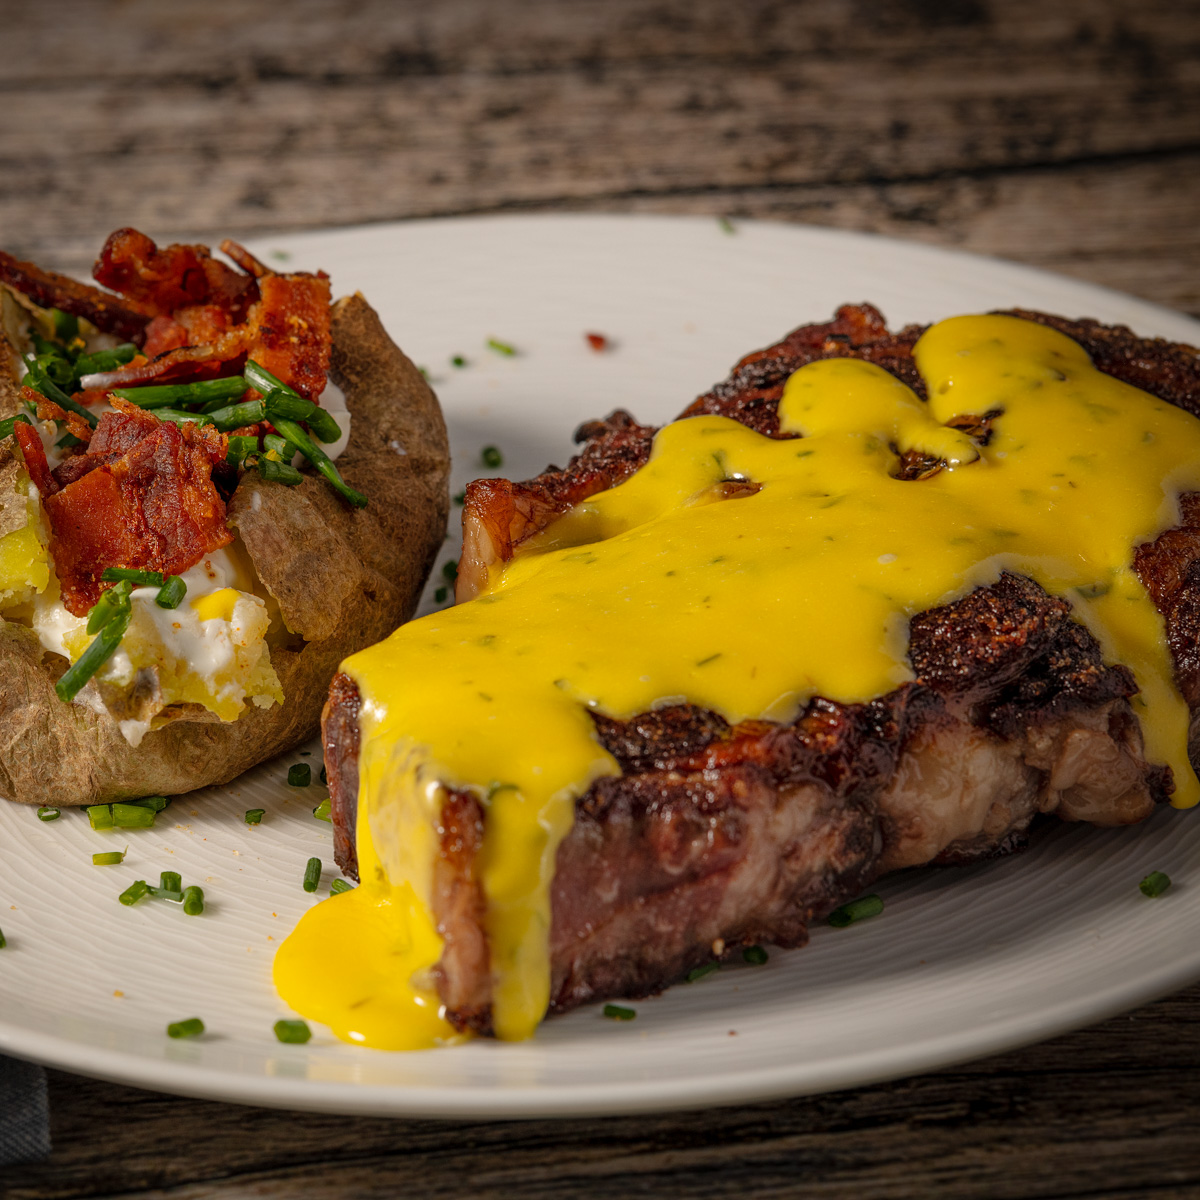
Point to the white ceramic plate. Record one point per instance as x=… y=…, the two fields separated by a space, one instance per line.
x=964 y=962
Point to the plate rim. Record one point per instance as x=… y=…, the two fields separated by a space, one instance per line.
x=604 y=1100
x=582 y=1100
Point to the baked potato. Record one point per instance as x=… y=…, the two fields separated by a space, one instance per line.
x=318 y=580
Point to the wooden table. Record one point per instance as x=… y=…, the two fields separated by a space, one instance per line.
x=1062 y=134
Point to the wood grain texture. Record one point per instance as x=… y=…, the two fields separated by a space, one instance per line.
x=1065 y=135
x=983 y=125
x=1106 y=1112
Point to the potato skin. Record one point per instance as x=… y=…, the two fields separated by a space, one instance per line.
x=344 y=578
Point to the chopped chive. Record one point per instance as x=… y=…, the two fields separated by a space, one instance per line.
x=725 y=225
x=210 y=406
x=134 y=892
x=177 y=416
x=491 y=457
x=856 y=910
x=99 y=651
x=67 y=441
x=110 y=858
x=450 y=571
x=324 y=810
x=104 y=360
x=193 y=901
x=300 y=775
x=283 y=402
x=41 y=382
x=312 y=874
x=755 y=954
x=172 y=894
x=338 y=886
x=112 y=604
x=272 y=441
x=320 y=460
x=324 y=777
x=172 y=592
x=259 y=378
x=45 y=348
x=501 y=347
x=1155 y=884
x=240 y=446
x=460 y=498
x=158 y=803
x=222 y=390
x=131 y=575
x=440 y=594
x=254 y=816
x=617 y=1012
x=193 y=1027
x=294 y=1033
x=133 y=816
x=58 y=368
x=170 y=881
x=46 y=813
x=100 y=816
x=6 y=426
x=277 y=472
x=235 y=416
x=66 y=325
x=700 y=971
x=457 y=360
x=3 y=943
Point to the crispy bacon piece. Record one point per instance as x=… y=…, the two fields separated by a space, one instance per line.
x=126 y=319
x=499 y=514
x=178 y=276
x=244 y=259
x=142 y=497
x=47 y=410
x=195 y=317
x=287 y=331
x=199 y=325
x=164 y=334
x=117 y=433
x=187 y=364
x=34 y=454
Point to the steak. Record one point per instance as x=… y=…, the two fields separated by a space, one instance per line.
x=717 y=836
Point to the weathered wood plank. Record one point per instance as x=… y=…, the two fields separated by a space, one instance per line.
x=1132 y=225
x=1108 y=1111
x=246 y=124
x=327 y=41
x=1063 y=135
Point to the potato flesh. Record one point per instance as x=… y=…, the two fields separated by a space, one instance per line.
x=214 y=656
x=24 y=558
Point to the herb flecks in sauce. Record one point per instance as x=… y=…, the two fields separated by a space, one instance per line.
x=658 y=572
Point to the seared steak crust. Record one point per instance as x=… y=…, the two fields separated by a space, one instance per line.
x=340 y=741
x=511 y=512
x=716 y=836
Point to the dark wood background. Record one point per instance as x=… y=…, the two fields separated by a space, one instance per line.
x=1064 y=133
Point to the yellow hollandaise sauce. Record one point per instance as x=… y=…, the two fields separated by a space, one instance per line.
x=677 y=587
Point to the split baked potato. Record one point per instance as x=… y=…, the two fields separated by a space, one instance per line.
x=317 y=580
